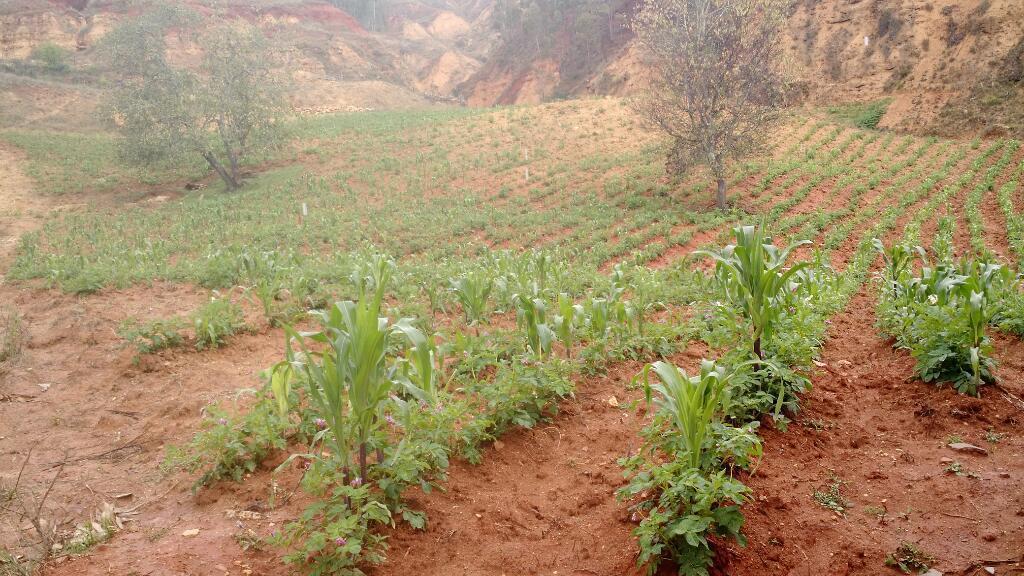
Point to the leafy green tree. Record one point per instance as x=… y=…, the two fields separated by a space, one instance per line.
x=228 y=110
x=719 y=83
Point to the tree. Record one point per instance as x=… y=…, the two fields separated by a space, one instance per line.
x=232 y=108
x=718 y=82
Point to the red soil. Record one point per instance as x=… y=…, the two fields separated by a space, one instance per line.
x=543 y=500
x=884 y=433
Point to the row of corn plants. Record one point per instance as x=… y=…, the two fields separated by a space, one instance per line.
x=942 y=313
x=368 y=407
x=685 y=485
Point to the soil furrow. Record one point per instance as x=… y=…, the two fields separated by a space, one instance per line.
x=882 y=434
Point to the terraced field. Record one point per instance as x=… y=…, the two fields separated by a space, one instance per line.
x=546 y=259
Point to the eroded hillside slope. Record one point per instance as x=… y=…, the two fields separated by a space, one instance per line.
x=949 y=67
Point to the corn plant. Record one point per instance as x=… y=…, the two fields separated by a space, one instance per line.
x=753 y=276
x=598 y=317
x=265 y=276
x=617 y=285
x=370 y=278
x=421 y=372
x=349 y=379
x=565 y=322
x=897 y=261
x=681 y=494
x=942 y=245
x=941 y=317
x=472 y=291
x=436 y=297
x=281 y=376
x=641 y=303
x=692 y=401
x=531 y=313
x=214 y=321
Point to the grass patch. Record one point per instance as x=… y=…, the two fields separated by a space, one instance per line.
x=11 y=335
x=864 y=115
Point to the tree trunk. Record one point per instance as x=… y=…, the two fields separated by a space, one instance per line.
x=230 y=180
x=720 y=198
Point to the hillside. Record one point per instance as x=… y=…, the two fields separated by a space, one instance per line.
x=417 y=57
x=948 y=68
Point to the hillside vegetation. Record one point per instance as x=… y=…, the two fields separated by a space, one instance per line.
x=948 y=69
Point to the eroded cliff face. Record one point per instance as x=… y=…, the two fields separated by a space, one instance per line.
x=948 y=66
x=925 y=55
x=20 y=32
x=421 y=55
x=930 y=57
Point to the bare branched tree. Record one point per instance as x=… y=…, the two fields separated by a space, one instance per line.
x=718 y=83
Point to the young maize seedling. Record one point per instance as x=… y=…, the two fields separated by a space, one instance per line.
x=281 y=375
x=753 y=275
x=566 y=320
x=531 y=314
x=265 y=277
x=472 y=291
x=421 y=371
x=598 y=317
x=897 y=260
x=692 y=401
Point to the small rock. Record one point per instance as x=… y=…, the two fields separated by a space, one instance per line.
x=945 y=460
x=844 y=364
x=190 y=533
x=498 y=444
x=613 y=402
x=990 y=569
x=965 y=447
x=932 y=572
x=1004 y=474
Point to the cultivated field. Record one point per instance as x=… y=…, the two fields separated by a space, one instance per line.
x=544 y=258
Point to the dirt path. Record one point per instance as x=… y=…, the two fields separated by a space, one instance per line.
x=543 y=501
x=870 y=424
x=21 y=208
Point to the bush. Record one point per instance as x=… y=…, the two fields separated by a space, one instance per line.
x=152 y=336
x=52 y=57
x=216 y=320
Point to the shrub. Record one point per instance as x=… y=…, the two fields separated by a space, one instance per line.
x=862 y=115
x=152 y=336
x=871 y=115
x=51 y=56
x=215 y=321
